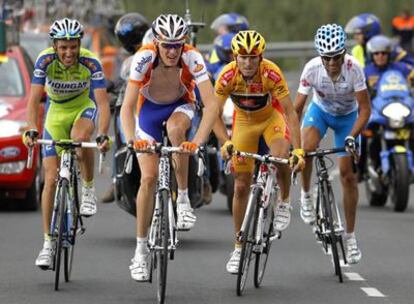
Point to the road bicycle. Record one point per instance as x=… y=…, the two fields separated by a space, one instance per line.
x=328 y=227
x=66 y=223
x=257 y=234
x=162 y=238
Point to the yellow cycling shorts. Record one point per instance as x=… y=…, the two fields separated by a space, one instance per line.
x=249 y=127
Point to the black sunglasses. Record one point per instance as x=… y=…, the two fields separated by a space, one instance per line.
x=334 y=58
x=172 y=45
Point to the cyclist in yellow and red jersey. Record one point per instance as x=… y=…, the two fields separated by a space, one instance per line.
x=162 y=79
x=263 y=109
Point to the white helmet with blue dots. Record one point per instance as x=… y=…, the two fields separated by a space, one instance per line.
x=330 y=39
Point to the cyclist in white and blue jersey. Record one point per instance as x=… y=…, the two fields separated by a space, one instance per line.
x=340 y=102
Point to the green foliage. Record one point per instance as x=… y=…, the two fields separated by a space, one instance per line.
x=277 y=20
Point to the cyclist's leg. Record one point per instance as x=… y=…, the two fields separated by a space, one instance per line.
x=82 y=130
x=178 y=125
x=277 y=137
x=314 y=128
x=54 y=129
x=349 y=180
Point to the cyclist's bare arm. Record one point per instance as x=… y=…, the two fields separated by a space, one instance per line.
x=219 y=127
x=364 y=112
x=128 y=111
x=300 y=102
x=292 y=121
x=210 y=112
x=36 y=94
x=102 y=101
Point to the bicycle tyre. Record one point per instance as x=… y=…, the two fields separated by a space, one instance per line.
x=162 y=254
x=60 y=220
x=262 y=257
x=69 y=251
x=327 y=196
x=247 y=242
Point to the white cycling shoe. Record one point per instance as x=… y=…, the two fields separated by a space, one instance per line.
x=232 y=265
x=88 y=202
x=186 y=218
x=45 y=258
x=353 y=253
x=139 y=268
x=282 y=216
x=307 y=210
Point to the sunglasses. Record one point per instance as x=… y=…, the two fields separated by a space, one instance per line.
x=380 y=53
x=170 y=46
x=334 y=58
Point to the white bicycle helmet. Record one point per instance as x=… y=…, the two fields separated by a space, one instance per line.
x=330 y=39
x=170 y=28
x=379 y=43
x=66 y=29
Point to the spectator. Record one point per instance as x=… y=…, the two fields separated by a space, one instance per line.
x=403 y=28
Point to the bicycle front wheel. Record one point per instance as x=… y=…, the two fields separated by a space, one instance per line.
x=263 y=255
x=247 y=239
x=333 y=238
x=162 y=244
x=60 y=228
x=73 y=230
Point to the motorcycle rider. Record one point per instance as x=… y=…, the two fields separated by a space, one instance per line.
x=365 y=26
x=130 y=31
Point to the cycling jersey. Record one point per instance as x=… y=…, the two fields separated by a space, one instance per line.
x=258 y=112
x=69 y=91
x=193 y=71
x=74 y=84
x=336 y=98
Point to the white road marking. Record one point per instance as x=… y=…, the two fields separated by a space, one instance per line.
x=373 y=292
x=353 y=276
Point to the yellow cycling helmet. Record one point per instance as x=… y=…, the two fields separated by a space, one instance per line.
x=248 y=43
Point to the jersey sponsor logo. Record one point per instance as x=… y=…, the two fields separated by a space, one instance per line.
x=273 y=75
x=305 y=83
x=39 y=73
x=90 y=64
x=256 y=87
x=225 y=78
x=198 y=67
x=142 y=63
x=98 y=76
x=67 y=85
x=45 y=61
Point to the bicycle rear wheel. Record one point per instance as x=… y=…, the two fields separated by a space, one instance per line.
x=73 y=230
x=162 y=243
x=247 y=239
x=333 y=238
x=261 y=257
x=60 y=228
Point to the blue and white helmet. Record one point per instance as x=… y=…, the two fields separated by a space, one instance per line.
x=66 y=29
x=330 y=39
x=379 y=43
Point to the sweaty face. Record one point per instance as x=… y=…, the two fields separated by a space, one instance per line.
x=170 y=53
x=248 y=65
x=67 y=51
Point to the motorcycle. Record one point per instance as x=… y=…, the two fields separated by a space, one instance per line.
x=389 y=165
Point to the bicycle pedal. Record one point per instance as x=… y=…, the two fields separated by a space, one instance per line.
x=276 y=236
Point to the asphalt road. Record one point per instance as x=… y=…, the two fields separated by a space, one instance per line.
x=298 y=271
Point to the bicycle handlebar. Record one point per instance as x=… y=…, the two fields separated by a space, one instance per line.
x=323 y=152
x=64 y=144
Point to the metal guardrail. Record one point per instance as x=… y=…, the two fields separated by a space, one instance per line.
x=294 y=49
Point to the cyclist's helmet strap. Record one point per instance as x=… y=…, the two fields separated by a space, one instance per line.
x=66 y=29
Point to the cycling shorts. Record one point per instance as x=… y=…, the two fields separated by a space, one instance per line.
x=60 y=119
x=151 y=116
x=341 y=125
x=268 y=123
